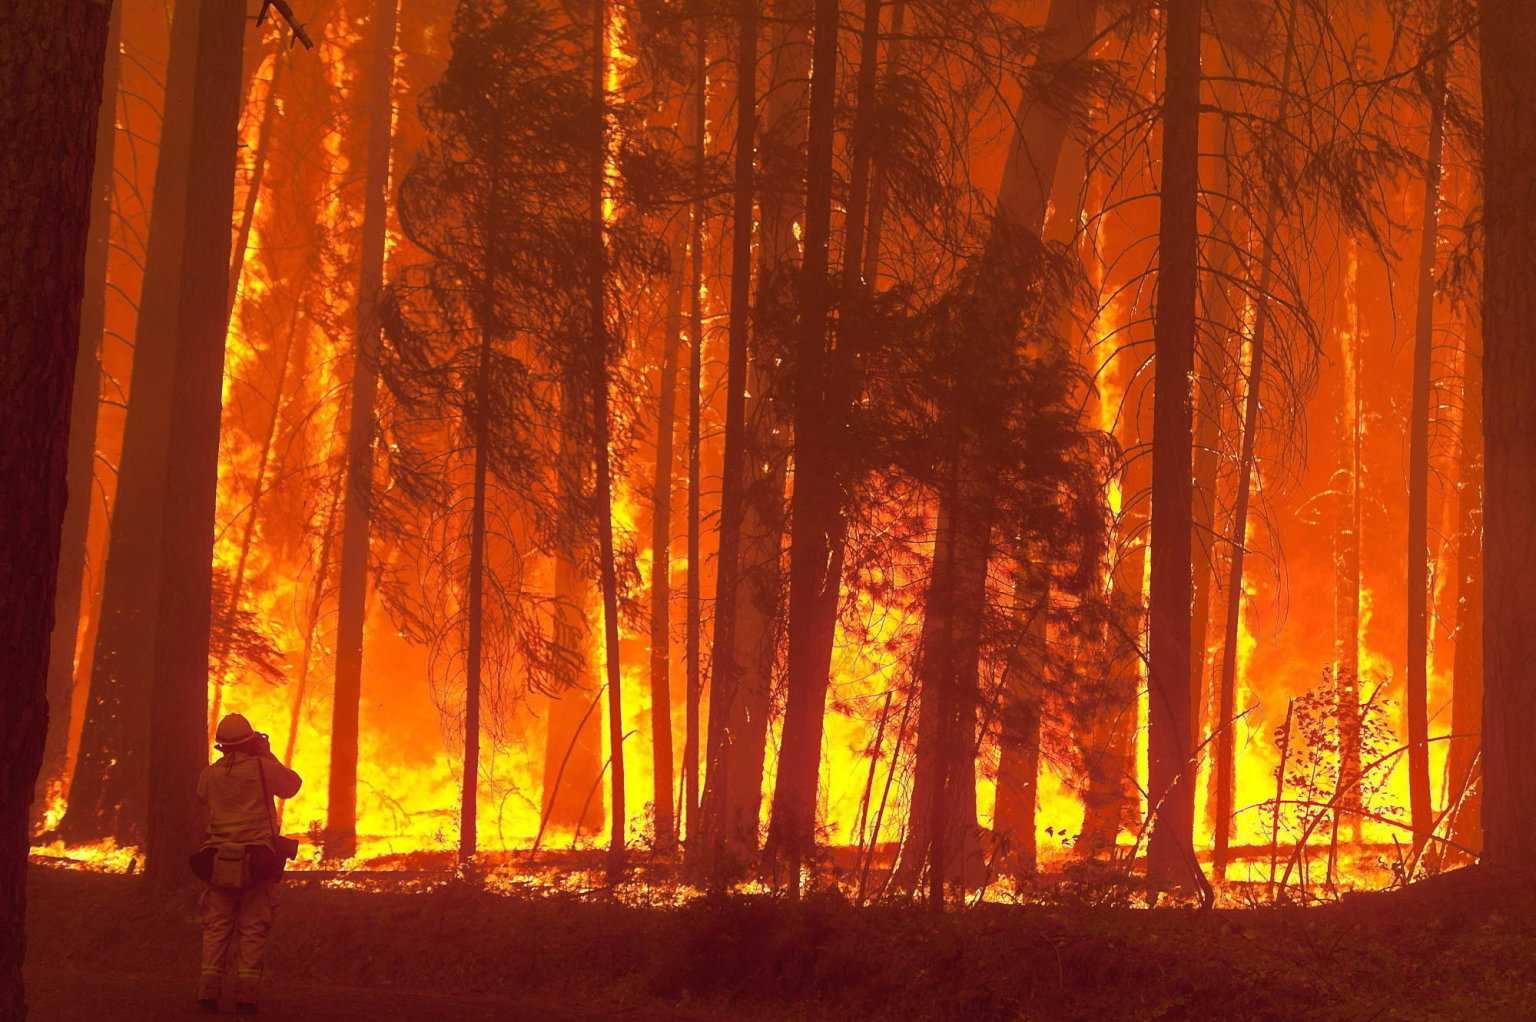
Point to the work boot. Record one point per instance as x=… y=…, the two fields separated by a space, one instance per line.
x=208 y=1005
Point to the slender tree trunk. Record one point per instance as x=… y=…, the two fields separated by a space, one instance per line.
x=1509 y=433
x=108 y=793
x=1227 y=694
x=475 y=654
x=664 y=826
x=73 y=562
x=793 y=824
x=1346 y=555
x=253 y=188
x=179 y=694
x=695 y=685
x=1463 y=767
x=1421 y=809
x=45 y=201
x=1170 y=851
x=722 y=739
x=597 y=288
x=357 y=510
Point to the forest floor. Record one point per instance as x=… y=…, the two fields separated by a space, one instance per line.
x=101 y=947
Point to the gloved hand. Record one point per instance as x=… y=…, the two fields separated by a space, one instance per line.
x=263 y=744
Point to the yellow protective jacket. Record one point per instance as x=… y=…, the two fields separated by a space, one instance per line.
x=230 y=791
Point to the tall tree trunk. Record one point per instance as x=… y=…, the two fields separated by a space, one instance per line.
x=1509 y=433
x=179 y=693
x=1421 y=810
x=56 y=51
x=357 y=510
x=956 y=600
x=664 y=826
x=84 y=405
x=108 y=793
x=1170 y=851
x=1463 y=767
x=258 y=173
x=793 y=823
x=601 y=342
x=475 y=654
x=723 y=712
x=1227 y=693
x=1018 y=768
x=694 y=682
x=1346 y=554
x=760 y=586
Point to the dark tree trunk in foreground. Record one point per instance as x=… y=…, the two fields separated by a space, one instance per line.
x=179 y=694
x=813 y=507
x=475 y=652
x=694 y=681
x=759 y=590
x=1417 y=693
x=1509 y=433
x=722 y=739
x=1170 y=851
x=108 y=789
x=341 y=803
x=51 y=65
x=1463 y=768
x=664 y=825
x=84 y=405
x=943 y=819
x=601 y=342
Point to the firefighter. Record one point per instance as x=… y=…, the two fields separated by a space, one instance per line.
x=236 y=792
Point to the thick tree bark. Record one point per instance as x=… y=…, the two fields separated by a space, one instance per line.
x=1463 y=765
x=51 y=60
x=722 y=739
x=84 y=404
x=1421 y=809
x=1509 y=433
x=759 y=591
x=341 y=802
x=1170 y=851
x=792 y=827
x=108 y=793
x=179 y=693
x=956 y=600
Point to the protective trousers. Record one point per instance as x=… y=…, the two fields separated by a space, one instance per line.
x=242 y=918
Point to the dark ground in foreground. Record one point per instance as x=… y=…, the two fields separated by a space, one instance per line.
x=101 y=948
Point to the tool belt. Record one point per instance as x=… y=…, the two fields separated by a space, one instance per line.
x=236 y=867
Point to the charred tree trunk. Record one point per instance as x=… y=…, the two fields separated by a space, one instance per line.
x=357 y=509
x=723 y=712
x=1170 y=851
x=1463 y=765
x=694 y=693
x=813 y=506
x=108 y=793
x=1227 y=693
x=1421 y=809
x=1346 y=557
x=475 y=653
x=45 y=198
x=664 y=826
x=759 y=590
x=601 y=343
x=179 y=693
x=84 y=405
x=1018 y=768
x=1509 y=433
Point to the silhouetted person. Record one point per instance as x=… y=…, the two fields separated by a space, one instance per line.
x=241 y=858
